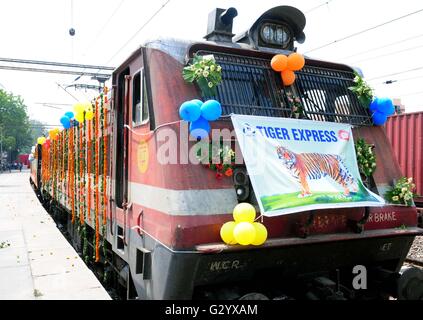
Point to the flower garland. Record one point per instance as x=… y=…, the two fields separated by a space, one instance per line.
x=81 y=174
x=89 y=167
x=105 y=146
x=206 y=72
x=96 y=193
x=362 y=90
x=366 y=160
x=295 y=104
x=402 y=192
x=71 y=172
x=76 y=177
x=219 y=159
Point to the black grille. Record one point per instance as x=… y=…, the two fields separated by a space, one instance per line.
x=250 y=86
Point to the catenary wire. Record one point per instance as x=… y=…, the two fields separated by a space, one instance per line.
x=364 y=31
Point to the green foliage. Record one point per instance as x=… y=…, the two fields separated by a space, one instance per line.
x=366 y=160
x=295 y=104
x=37 y=129
x=15 y=133
x=206 y=72
x=291 y=200
x=402 y=192
x=362 y=90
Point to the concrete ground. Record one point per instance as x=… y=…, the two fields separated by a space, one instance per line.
x=36 y=261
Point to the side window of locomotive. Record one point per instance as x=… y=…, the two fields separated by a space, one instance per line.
x=140 y=101
x=145 y=107
x=136 y=100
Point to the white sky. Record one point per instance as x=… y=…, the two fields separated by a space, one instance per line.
x=39 y=30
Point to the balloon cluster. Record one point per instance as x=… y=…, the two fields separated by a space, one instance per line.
x=44 y=141
x=80 y=108
x=52 y=133
x=381 y=108
x=199 y=114
x=287 y=65
x=244 y=230
x=70 y=118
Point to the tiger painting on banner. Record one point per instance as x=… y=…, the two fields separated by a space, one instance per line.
x=315 y=166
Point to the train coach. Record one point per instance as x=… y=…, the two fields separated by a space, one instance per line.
x=151 y=227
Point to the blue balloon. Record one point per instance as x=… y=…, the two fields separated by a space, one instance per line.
x=386 y=106
x=69 y=114
x=65 y=121
x=75 y=123
x=200 y=128
x=211 y=110
x=379 y=118
x=373 y=105
x=190 y=111
x=198 y=102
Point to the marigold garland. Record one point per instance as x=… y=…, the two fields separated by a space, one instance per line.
x=81 y=175
x=71 y=173
x=97 y=203
x=105 y=138
x=68 y=169
x=89 y=170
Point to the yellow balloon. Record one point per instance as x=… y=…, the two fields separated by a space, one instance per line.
x=88 y=106
x=261 y=234
x=78 y=107
x=41 y=140
x=244 y=233
x=89 y=115
x=227 y=232
x=79 y=117
x=244 y=212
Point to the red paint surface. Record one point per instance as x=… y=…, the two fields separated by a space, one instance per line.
x=405 y=132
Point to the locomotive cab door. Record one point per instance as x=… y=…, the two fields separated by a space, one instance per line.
x=121 y=161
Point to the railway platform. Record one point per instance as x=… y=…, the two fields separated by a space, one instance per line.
x=36 y=261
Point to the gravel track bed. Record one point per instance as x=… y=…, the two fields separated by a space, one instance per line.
x=416 y=250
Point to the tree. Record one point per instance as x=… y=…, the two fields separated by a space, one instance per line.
x=38 y=129
x=15 y=134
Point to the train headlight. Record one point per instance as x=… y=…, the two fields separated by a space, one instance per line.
x=275 y=34
x=241 y=183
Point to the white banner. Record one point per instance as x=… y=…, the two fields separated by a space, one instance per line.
x=300 y=165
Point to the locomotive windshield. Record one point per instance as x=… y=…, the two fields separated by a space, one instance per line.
x=251 y=87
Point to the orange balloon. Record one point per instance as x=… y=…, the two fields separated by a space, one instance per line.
x=288 y=77
x=295 y=62
x=279 y=62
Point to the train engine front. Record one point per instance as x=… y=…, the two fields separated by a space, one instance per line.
x=168 y=210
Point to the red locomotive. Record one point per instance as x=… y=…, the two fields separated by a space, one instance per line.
x=158 y=223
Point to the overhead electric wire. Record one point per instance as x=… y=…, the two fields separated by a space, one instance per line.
x=56 y=64
x=389 y=54
x=49 y=70
x=410 y=94
x=395 y=73
x=104 y=26
x=98 y=35
x=381 y=47
x=364 y=31
x=400 y=80
x=318 y=6
x=139 y=30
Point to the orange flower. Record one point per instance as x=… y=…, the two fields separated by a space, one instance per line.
x=229 y=172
